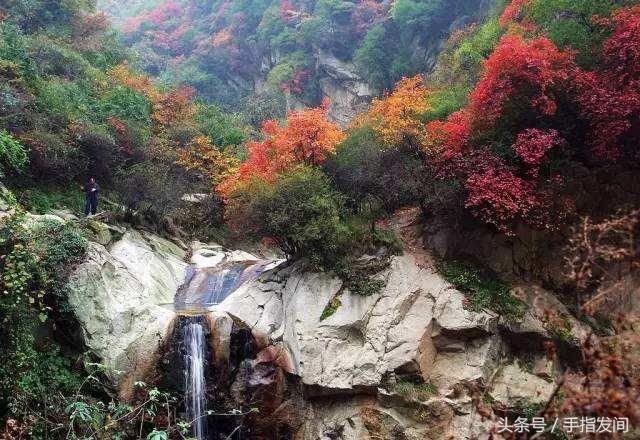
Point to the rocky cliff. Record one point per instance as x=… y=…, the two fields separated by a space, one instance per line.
x=411 y=362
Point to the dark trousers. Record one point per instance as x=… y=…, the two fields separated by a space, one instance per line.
x=91 y=205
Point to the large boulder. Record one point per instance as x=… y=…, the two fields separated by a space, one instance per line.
x=123 y=298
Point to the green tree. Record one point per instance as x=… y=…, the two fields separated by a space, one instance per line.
x=300 y=211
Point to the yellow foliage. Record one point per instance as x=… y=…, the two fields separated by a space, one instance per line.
x=139 y=83
x=396 y=115
x=202 y=156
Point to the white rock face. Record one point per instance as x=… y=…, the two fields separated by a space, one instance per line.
x=123 y=297
x=513 y=387
x=348 y=92
x=418 y=326
x=410 y=327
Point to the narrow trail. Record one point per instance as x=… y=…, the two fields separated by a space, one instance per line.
x=406 y=224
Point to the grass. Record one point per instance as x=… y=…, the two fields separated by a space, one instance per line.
x=414 y=391
x=41 y=202
x=484 y=291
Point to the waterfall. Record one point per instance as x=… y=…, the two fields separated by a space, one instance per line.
x=205 y=287
x=194 y=375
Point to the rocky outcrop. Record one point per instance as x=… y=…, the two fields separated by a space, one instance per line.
x=514 y=388
x=349 y=94
x=122 y=295
x=355 y=363
x=410 y=362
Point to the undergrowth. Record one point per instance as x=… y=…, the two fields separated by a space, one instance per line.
x=414 y=391
x=484 y=291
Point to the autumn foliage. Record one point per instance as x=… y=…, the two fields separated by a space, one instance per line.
x=203 y=157
x=534 y=108
x=520 y=75
x=306 y=138
x=396 y=115
x=610 y=97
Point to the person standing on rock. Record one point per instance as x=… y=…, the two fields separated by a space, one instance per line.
x=91 y=190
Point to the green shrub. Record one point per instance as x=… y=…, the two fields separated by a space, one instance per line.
x=300 y=211
x=126 y=104
x=375 y=179
x=358 y=275
x=483 y=290
x=372 y=57
x=286 y=68
x=331 y=308
x=222 y=128
x=64 y=100
x=568 y=23
x=12 y=154
x=34 y=265
x=42 y=201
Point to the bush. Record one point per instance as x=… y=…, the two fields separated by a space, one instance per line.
x=13 y=155
x=483 y=290
x=300 y=211
x=42 y=201
x=375 y=179
x=34 y=264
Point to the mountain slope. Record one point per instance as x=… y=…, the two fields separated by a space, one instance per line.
x=277 y=54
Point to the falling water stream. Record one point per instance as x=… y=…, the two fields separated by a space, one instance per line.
x=194 y=359
x=204 y=288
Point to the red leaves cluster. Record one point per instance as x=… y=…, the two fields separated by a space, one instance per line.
x=499 y=196
x=163 y=12
x=512 y=11
x=521 y=77
x=449 y=137
x=522 y=74
x=610 y=98
x=527 y=84
x=621 y=51
x=532 y=146
x=287 y=10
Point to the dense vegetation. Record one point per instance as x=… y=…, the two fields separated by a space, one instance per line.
x=226 y=50
x=529 y=122
x=72 y=107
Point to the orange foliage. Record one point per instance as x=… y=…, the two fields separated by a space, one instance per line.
x=222 y=38
x=175 y=107
x=396 y=116
x=307 y=137
x=140 y=83
x=202 y=156
x=172 y=109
